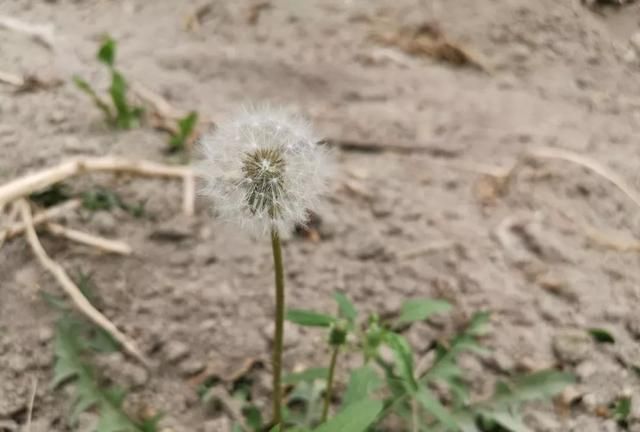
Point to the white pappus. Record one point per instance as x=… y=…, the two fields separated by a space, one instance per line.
x=264 y=169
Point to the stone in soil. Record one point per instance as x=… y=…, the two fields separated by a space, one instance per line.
x=175 y=351
x=572 y=345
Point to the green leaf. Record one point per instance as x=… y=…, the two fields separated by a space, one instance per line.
x=601 y=335
x=309 y=318
x=347 y=309
x=355 y=418
x=404 y=358
x=253 y=417
x=307 y=375
x=622 y=409
x=362 y=382
x=478 y=324
x=186 y=125
x=433 y=406
x=55 y=301
x=97 y=100
x=421 y=309
x=71 y=365
x=107 y=52
x=537 y=385
x=118 y=92
x=509 y=421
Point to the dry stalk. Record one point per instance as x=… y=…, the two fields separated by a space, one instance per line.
x=39 y=218
x=71 y=289
x=589 y=163
x=30 y=183
x=11 y=79
x=32 y=400
x=112 y=246
x=13 y=215
x=43 y=33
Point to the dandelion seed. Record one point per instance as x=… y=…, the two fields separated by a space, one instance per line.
x=264 y=170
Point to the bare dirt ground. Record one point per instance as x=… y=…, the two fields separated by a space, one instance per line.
x=198 y=293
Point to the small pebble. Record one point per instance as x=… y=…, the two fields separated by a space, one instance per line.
x=176 y=351
x=572 y=345
x=189 y=368
x=45 y=334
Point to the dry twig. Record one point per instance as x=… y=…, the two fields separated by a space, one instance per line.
x=113 y=246
x=39 y=218
x=30 y=183
x=43 y=33
x=32 y=400
x=428 y=40
x=425 y=249
x=71 y=288
x=13 y=215
x=589 y=163
x=11 y=79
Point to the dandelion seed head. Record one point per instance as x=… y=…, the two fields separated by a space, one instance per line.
x=264 y=169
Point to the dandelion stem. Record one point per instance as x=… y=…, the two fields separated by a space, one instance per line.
x=329 y=390
x=279 y=328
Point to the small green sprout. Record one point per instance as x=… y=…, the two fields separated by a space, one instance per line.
x=119 y=113
x=180 y=139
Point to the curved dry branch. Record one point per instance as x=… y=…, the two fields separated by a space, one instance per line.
x=30 y=183
x=83 y=305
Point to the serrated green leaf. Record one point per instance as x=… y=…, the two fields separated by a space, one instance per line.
x=347 y=308
x=355 y=418
x=433 y=406
x=404 y=358
x=421 y=309
x=71 y=365
x=311 y=374
x=309 y=318
x=55 y=301
x=362 y=382
x=601 y=335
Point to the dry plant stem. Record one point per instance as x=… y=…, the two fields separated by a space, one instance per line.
x=279 y=328
x=44 y=216
x=329 y=390
x=13 y=215
x=113 y=246
x=591 y=164
x=160 y=104
x=72 y=290
x=11 y=79
x=32 y=400
x=42 y=33
x=30 y=183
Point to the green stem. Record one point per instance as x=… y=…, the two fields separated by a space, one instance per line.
x=279 y=328
x=327 y=393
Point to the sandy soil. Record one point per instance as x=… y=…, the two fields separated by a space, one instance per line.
x=197 y=292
